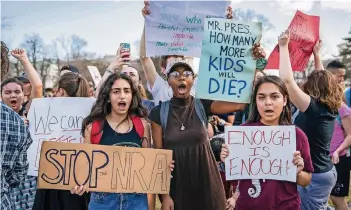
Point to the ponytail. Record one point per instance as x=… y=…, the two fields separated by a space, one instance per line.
x=74 y=85
x=83 y=87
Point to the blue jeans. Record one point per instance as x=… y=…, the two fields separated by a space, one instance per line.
x=315 y=195
x=118 y=201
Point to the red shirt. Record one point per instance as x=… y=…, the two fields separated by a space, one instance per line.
x=275 y=195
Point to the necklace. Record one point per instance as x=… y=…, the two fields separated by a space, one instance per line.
x=129 y=128
x=182 y=127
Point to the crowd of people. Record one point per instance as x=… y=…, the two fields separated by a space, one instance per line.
x=192 y=128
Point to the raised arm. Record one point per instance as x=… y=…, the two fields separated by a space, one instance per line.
x=33 y=76
x=300 y=99
x=318 y=64
x=115 y=65
x=147 y=64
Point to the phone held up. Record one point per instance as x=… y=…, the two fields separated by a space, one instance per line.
x=125 y=47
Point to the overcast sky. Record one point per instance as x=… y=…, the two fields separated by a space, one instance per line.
x=104 y=24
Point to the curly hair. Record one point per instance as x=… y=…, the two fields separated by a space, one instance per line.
x=102 y=107
x=4 y=60
x=323 y=88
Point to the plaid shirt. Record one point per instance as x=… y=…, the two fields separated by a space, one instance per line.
x=14 y=141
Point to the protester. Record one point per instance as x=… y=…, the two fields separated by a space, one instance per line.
x=157 y=86
x=134 y=74
x=270 y=107
x=122 y=64
x=12 y=93
x=339 y=149
x=117 y=118
x=318 y=104
x=340 y=143
x=27 y=88
x=338 y=70
x=196 y=183
x=15 y=141
x=12 y=89
x=69 y=85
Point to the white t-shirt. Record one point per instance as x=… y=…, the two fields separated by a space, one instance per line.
x=161 y=91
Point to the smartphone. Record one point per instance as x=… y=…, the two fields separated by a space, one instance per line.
x=125 y=47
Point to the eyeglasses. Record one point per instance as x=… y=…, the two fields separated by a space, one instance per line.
x=176 y=75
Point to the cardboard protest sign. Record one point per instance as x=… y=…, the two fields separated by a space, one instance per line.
x=104 y=168
x=227 y=67
x=95 y=74
x=260 y=152
x=176 y=27
x=304 y=33
x=55 y=119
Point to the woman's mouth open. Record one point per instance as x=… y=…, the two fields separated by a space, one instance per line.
x=13 y=103
x=182 y=89
x=122 y=105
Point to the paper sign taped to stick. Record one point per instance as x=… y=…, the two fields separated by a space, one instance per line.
x=95 y=74
x=260 y=152
x=227 y=68
x=177 y=27
x=104 y=168
x=55 y=119
x=304 y=33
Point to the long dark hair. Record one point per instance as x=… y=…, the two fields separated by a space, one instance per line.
x=285 y=116
x=102 y=106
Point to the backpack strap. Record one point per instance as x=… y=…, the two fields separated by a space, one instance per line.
x=201 y=113
x=139 y=126
x=164 y=110
x=96 y=132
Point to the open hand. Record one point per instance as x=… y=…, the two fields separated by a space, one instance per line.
x=19 y=54
x=284 y=38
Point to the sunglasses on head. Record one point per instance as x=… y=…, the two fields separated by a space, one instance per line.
x=176 y=75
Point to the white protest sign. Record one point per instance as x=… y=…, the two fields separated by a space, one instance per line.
x=177 y=27
x=55 y=119
x=95 y=74
x=260 y=152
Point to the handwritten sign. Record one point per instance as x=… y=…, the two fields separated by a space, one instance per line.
x=55 y=119
x=95 y=74
x=260 y=152
x=227 y=68
x=104 y=168
x=176 y=28
x=304 y=33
